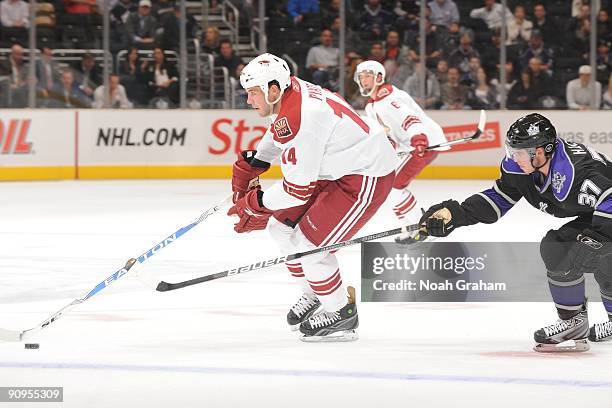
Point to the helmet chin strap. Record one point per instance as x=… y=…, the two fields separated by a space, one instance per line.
x=537 y=168
x=271 y=104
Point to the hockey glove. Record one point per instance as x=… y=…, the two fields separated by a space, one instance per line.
x=253 y=215
x=588 y=251
x=420 y=144
x=245 y=173
x=441 y=219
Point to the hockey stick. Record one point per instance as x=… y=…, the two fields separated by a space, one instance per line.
x=166 y=286
x=13 y=335
x=479 y=131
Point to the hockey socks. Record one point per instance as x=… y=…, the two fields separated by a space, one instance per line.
x=568 y=295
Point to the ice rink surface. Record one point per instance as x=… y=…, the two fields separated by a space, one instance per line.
x=225 y=343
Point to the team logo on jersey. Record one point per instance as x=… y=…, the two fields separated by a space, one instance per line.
x=282 y=128
x=382 y=92
x=533 y=130
x=557 y=182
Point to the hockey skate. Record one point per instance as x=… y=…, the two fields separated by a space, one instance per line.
x=564 y=335
x=333 y=326
x=601 y=331
x=302 y=310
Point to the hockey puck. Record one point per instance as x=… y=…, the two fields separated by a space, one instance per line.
x=32 y=346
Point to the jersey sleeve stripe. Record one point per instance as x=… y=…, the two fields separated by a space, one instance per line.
x=500 y=202
x=501 y=193
x=493 y=205
x=603 y=196
x=301 y=193
x=602 y=214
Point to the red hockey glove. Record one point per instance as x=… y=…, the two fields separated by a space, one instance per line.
x=253 y=215
x=246 y=170
x=420 y=144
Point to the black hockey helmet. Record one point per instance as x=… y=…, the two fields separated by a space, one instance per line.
x=532 y=131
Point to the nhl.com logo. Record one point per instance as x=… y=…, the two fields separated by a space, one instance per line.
x=14 y=135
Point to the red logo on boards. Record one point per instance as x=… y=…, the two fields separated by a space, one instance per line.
x=490 y=138
x=282 y=128
x=13 y=135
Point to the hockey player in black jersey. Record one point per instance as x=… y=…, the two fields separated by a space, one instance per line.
x=563 y=179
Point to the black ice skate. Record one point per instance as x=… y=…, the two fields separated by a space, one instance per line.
x=302 y=310
x=601 y=331
x=564 y=335
x=333 y=326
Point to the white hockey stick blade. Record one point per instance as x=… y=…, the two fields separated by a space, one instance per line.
x=10 y=335
x=483 y=120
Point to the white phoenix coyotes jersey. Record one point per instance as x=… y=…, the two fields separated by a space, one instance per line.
x=402 y=117
x=319 y=136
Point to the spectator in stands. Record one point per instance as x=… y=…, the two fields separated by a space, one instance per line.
x=161 y=8
x=545 y=26
x=168 y=29
x=607 y=96
x=121 y=11
x=377 y=52
x=603 y=61
x=604 y=26
x=433 y=46
x=460 y=58
x=470 y=78
x=577 y=7
x=519 y=29
x=490 y=52
x=442 y=71
x=454 y=95
x=227 y=58
x=522 y=95
x=432 y=88
x=407 y=16
x=578 y=91
x=67 y=94
x=322 y=60
x=302 y=10
x=131 y=75
x=210 y=42
x=484 y=95
x=443 y=12
x=117 y=96
x=510 y=79
x=491 y=13
x=88 y=74
x=83 y=7
x=162 y=77
x=17 y=70
x=537 y=48
x=540 y=79
x=14 y=14
x=583 y=13
x=580 y=38
x=47 y=75
x=375 y=22
x=397 y=62
x=331 y=13
x=141 y=26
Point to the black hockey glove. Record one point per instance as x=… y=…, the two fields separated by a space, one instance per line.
x=588 y=251
x=441 y=219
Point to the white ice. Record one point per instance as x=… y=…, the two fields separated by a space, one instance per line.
x=225 y=343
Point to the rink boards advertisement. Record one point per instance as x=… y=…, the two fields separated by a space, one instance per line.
x=86 y=144
x=37 y=144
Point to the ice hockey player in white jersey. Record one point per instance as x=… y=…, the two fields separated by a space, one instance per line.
x=338 y=169
x=408 y=128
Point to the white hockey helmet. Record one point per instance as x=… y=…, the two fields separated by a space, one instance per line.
x=262 y=70
x=373 y=67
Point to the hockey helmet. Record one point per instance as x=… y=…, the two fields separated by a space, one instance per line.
x=530 y=132
x=373 y=67
x=264 y=69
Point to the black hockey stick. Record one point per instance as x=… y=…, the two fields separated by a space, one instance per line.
x=165 y=286
x=479 y=131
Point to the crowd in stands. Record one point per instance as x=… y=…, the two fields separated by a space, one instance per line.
x=547 y=47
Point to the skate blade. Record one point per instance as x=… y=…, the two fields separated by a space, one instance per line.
x=338 y=337
x=570 y=346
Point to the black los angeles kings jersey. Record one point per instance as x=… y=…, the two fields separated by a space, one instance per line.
x=579 y=183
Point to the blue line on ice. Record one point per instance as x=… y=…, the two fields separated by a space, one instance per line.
x=311 y=373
